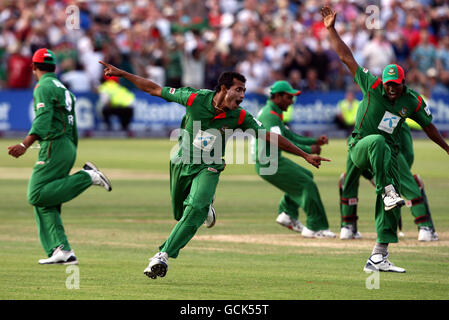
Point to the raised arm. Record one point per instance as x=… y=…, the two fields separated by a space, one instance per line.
x=434 y=135
x=342 y=50
x=141 y=83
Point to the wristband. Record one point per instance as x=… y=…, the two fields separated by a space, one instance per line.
x=23 y=145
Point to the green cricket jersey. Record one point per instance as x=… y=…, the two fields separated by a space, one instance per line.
x=271 y=118
x=378 y=115
x=204 y=136
x=54 y=107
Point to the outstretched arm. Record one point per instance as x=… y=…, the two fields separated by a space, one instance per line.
x=342 y=50
x=284 y=144
x=141 y=83
x=434 y=135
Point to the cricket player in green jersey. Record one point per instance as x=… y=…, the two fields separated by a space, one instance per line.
x=297 y=182
x=50 y=185
x=196 y=167
x=412 y=188
x=374 y=144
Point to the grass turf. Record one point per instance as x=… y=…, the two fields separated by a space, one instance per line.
x=245 y=256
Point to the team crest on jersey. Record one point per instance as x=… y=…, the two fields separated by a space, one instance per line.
x=40 y=105
x=365 y=70
x=172 y=91
x=403 y=112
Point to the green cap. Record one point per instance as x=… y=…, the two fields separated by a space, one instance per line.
x=393 y=73
x=283 y=86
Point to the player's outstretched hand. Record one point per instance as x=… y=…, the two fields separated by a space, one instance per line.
x=315 y=160
x=329 y=16
x=322 y=140
x=16 y=150
x=110 y=70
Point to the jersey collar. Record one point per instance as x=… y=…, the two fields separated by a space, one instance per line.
x=275 y=109
x=48 y=75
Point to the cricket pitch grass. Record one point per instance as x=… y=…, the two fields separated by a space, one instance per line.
x=245 y=256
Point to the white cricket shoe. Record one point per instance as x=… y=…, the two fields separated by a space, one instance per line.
x=378 y=262
x=98 y=177
x=347 y=233
x=427 y=234
x=158 y=266
x=211 y=217
x=60 y=256
x=307 y=233
x=285 y=220
x=391 y=198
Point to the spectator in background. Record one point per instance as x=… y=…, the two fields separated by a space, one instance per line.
x=256 y=71
x=312 y=83
x=347 y=110
x=442 y=62
x=378 y=53
x=424 y=55
x=116 y=100
x=173 y=63
x=77 y=79
x=19 y=72
x=290 y=34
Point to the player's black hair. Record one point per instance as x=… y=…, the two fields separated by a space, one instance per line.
x=227 y=79
x=45 y=66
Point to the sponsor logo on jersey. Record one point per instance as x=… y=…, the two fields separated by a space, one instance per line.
x=212 y=169
x=172 y=91
x=40 y=105
x=427 y=110
x=40 y=162
x=365 y=70
x=388 y=122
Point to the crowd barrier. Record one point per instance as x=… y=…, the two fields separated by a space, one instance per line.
x=313 y=111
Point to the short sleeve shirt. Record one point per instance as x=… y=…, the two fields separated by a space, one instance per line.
x=54 y=108
x=205 y=132
x=378 y=115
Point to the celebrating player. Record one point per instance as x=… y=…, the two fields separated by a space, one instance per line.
x=193 y=180
x=50 y=184
x=374 y=144
x=296 y=181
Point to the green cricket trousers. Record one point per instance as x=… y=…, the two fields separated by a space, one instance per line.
x=372 y=153
x=409 y=188
x=192 y=189
x=51 y=185
x=300 y=192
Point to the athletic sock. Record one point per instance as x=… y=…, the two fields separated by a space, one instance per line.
x=380 y=248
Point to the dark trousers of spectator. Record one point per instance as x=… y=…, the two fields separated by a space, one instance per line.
x=125 y=115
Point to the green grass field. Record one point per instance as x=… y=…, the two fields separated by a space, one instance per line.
x=245 y=256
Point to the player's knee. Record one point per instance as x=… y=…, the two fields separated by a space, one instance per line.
x=33 y=198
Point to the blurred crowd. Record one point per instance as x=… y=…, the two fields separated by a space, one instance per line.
x=190 y=42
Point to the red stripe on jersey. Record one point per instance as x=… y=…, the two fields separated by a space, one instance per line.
x=220 y=116
x=241 y=117
x=419 y=103
x=281 y=116
x=191 y=98
x=375 y=84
